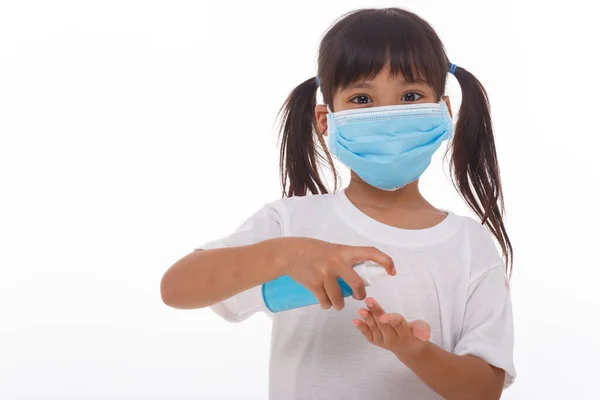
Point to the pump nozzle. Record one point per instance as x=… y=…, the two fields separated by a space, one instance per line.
x=370 y=272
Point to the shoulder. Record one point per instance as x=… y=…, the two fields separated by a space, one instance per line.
x=483 y=250
x=305 y=205
x=475 y=228
x=476 y=231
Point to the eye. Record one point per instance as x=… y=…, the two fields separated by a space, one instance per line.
x=411 y=96
x=361 y=99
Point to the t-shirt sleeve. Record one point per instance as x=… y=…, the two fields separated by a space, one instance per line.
x=262 y=225
x=488 y=323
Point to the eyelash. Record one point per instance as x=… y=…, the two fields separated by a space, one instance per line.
x=364 y=95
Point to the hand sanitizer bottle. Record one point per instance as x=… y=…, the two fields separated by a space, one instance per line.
x=283 y=294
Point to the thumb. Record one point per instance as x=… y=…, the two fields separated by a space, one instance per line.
x=421 y=330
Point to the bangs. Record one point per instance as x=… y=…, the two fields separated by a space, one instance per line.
x=363 y=42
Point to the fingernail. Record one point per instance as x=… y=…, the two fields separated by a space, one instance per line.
x=364 y=313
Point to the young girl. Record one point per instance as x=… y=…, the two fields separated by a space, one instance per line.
x=440 y=326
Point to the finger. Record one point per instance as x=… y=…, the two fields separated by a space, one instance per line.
x=370 y=321
x=374 y=254
x=364 y=329
x=377 y=311
x=374 y=307
x=396 y=321
x=321 y=295
x=334 y=292
x=356 y=283
x=421 y=330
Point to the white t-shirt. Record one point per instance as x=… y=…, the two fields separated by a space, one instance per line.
x=450 y=275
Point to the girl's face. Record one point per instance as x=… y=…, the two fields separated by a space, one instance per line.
x=384 y=90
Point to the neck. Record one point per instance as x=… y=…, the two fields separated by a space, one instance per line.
x=361 y=192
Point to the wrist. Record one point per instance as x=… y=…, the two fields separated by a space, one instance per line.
x=274 y=251
x=414 y=352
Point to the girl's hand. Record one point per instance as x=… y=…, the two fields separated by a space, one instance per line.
x=391 y=331
x=317 y=265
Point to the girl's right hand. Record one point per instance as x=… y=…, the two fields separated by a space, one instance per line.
x=317 y=265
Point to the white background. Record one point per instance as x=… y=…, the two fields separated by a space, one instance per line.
x=133 y=131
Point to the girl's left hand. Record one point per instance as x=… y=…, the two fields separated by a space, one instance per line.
x=391 y=331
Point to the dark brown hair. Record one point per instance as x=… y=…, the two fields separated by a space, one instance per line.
x=358 y=47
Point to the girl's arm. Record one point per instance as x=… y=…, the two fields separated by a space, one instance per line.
x=203 y=278
x=206 y=277
x=453 y=376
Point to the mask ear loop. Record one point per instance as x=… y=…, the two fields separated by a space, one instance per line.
x=448 y=119
x=331 y=128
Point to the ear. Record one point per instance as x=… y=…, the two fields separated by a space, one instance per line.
x=447 y=101
x=321 y=115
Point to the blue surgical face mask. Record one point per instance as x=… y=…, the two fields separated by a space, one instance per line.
x=389 y=146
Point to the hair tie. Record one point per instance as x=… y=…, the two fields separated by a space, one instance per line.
x=452 y=68
x=317 y=80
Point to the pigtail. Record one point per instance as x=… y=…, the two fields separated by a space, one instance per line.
x=474 y=164
x=299 y=154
